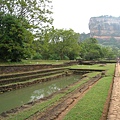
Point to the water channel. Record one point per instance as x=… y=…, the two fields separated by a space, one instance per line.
x=12 y=99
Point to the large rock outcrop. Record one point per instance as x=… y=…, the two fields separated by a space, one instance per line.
x=105 y=27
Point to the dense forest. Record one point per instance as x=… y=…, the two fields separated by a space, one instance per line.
x=26 y=32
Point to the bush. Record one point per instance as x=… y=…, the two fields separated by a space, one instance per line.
x=54 y=57
x=66 y=58
x=37 y=56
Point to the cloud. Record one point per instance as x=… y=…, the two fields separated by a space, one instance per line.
x=75 y=14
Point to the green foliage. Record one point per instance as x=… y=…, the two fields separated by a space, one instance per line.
x=91 y=50
x=15 y=39
x=64 y=43
x=54 y=57
x=37 y=56
x=58 y=44
x=84 y=36
x=112 y=47
x=112 y=42
x=19 y=21
x=110 y=53
x=36 y=12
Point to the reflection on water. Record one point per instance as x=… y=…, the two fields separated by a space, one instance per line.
x=19 y=97
x=40 y=93
x=37 y=94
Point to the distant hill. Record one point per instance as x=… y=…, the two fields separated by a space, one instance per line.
x=105 y=27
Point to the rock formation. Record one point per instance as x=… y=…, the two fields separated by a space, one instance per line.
x=105 y=27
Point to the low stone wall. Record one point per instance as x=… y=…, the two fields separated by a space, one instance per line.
x=22 y=68
x=82 y=62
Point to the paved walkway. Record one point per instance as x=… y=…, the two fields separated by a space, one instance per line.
x=114 y=110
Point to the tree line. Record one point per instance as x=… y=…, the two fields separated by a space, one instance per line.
x=26 y=32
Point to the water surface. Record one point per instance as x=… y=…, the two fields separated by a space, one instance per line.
x=19 y=97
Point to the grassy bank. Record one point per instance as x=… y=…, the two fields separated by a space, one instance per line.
x=95 y=66
x=27 y=62
x=90 y=107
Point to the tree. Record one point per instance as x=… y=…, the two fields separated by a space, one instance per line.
x=58 y=44
x=110 y=53
x=19 y=21
x=65 y=43
x=90 y=50
x=15 y=39
x=36 y=12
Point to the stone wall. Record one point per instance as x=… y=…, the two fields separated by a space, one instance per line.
x=24 y=68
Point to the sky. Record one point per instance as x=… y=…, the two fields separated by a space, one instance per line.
x=75 y=14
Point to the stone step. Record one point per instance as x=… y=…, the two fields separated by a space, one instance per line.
x=18 y=85
x=28 y=77
x=5 y=76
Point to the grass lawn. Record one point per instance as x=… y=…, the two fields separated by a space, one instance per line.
x=25 y=62
x=90 y=107
x=96 y=66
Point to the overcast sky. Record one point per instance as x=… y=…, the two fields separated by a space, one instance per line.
x=75 y=14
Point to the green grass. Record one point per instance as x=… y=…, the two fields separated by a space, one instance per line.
x=27 y=62
x=96 y=66
x=90 y=107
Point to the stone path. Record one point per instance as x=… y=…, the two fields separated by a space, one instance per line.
x=114 y=110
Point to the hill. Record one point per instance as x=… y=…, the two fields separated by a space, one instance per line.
x=105 y=27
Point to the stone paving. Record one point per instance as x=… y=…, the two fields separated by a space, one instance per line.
x=114 y=110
